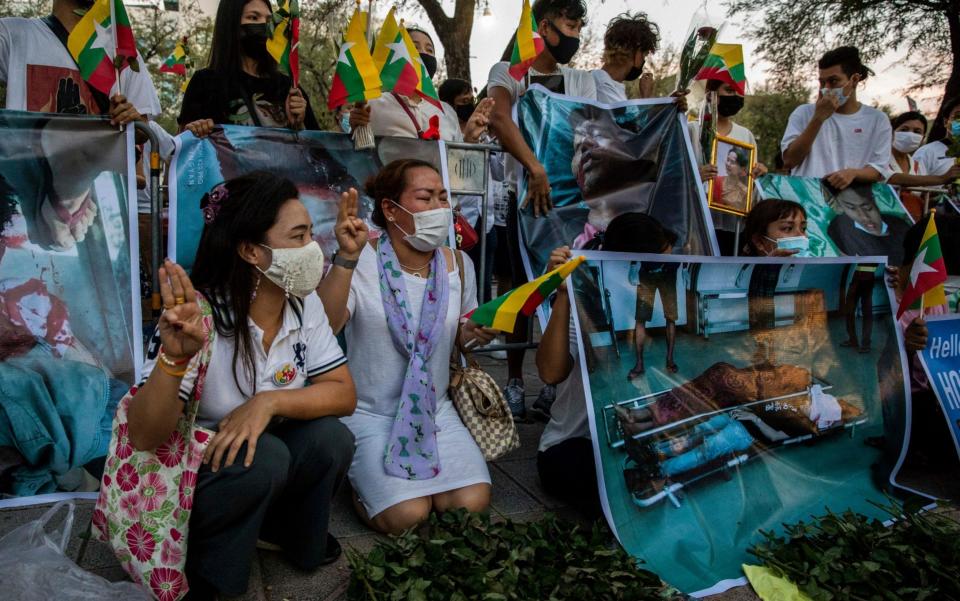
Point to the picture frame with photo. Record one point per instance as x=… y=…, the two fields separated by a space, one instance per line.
x=731 y=191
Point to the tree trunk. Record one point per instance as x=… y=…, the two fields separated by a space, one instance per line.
x=454 y=33
x=952 y=89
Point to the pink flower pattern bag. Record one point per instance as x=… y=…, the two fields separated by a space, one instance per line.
x=143 y=511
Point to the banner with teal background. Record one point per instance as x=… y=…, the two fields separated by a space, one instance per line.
x=321 y=164
x=762 y=420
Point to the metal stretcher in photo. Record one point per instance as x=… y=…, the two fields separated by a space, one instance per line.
x=721 y=419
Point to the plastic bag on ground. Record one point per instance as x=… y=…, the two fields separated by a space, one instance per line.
x=34 y=566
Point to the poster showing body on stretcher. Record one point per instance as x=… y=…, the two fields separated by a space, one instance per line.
x=721 y=402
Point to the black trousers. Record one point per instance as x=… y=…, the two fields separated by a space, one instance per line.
x=860 y=291
x=283 y=497
x=567 y=471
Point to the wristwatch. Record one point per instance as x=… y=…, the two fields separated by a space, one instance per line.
x=345 y=263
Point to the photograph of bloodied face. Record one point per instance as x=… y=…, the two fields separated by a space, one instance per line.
x=732 y=189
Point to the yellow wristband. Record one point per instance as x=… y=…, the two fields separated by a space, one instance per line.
x=170 y=371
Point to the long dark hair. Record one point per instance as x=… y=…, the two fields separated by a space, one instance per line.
x=248 y=211
x=225 y=48
x=762 y=215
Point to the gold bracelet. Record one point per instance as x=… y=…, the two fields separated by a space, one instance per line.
x=171 y=372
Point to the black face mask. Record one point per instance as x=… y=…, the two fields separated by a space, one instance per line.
x=430 y=62
x=728 y=106
x=253 y=40
x=565 y=49
x=464 y=111
x=635 y=72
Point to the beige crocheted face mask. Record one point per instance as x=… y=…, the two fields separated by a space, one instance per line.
x=296 y=270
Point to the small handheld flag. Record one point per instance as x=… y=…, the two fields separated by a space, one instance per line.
x=176 y=63
x=527 y=45
x=356 y=78
x=501 y=313
x=284 y=46
x=725 y=62
x=102 y=44
x=401 y=69
x=927 y=275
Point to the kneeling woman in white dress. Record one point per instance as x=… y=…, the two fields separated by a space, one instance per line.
x=400 y=299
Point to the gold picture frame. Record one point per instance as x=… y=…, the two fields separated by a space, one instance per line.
x=738 y=199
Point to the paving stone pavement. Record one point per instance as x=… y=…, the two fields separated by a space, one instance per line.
x=517 y=495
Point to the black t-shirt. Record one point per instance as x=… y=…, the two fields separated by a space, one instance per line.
x=227 y=100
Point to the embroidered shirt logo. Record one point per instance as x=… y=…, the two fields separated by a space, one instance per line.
x=300 y=355
x=285 y=375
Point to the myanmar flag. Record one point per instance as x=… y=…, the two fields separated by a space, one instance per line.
x=527 y=46
x=501 y=312
x=356 y=78
x=284 y=46
x=725 y=62
x=401 y=69
x=177 y=62
x=927 y=275
x=102 y=44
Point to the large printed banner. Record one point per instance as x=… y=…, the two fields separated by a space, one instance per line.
x=743 y=413
x=863 y=219
x=941 y=362
x=70 y=335
x=603 y=161
x=321 y=164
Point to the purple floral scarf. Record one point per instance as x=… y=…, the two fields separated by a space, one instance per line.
x=411 y=451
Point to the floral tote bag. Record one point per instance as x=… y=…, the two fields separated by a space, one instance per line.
x=143 y=510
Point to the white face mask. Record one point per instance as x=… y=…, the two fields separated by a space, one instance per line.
x=296 y=270
x=431 y=228
x=906 y=141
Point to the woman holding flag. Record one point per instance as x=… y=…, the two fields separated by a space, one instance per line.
x=401 y=302
x=243 y=84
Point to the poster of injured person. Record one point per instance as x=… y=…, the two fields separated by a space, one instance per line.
x=862 y=219
x=721 y=402
x=70 y=336
x=606 y=160
x=321 y=164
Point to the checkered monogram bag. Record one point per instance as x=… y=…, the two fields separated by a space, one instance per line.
x=479 y=401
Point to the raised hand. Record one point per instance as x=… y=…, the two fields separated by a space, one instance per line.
x=351 y=231
x=181 y=330
x=558 y=257
x=479 y=120
x=826 y=106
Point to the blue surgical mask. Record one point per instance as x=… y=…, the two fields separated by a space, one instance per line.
x=955 y=128
x=345 y=123
x=798 y=243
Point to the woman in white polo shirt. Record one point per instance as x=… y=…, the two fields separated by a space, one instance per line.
x=275 y=386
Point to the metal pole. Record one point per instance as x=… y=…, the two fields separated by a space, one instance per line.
x=736 y=238
x=156 y=206
x=483 y=226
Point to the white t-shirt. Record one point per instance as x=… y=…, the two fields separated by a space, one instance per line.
x=608 y=90
x=721 y=221
x=575 y=83
x=33 y=62
x=304 y=348
x=844 y=141
x=387 y=118
x=568 y=414
x=933 y=158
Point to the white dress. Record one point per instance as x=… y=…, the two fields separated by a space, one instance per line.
x=378 y=370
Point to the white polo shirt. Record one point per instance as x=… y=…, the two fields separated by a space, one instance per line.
x=304 y=348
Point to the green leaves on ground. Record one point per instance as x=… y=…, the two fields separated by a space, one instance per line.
x=460 y=556
x=856 y=558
